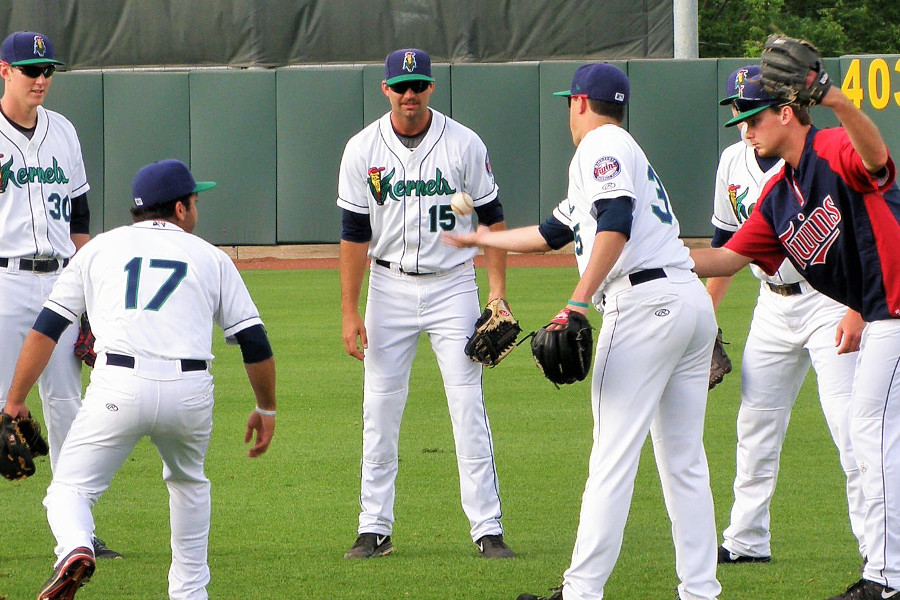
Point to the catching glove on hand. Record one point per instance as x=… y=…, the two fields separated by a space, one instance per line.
x=564 y=355
x=16 y=461
x=495 y=334
x=784 y=70
x=721 y=364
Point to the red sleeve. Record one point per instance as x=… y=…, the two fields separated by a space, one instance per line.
x=834 y=146
x=757 y=240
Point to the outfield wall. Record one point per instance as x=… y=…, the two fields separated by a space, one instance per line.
x=272 y=138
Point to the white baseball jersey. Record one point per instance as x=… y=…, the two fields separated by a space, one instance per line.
x=608 y=163
x=739 y=181
x=650 y=370
x=152 y=290
x=406 y=192
x=38 y=179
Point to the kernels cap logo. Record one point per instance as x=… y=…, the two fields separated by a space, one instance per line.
x=40 y=48
x=739 y=81
x=409 y=62
x=606 y=168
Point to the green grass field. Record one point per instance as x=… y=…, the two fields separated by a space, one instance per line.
x=281 y=523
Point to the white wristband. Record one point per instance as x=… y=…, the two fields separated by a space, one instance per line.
x=265 y=413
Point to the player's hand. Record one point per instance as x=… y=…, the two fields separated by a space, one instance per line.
x=354 y=333
x=465 y=240
x=16 y=412
x=849 y=332
x=264 y=426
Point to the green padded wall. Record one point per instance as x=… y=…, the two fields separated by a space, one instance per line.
x=233 y=130
x=79 y=97
x=501 y=103
x=146 y=117
x=673 y=115
x=556 y=143
x=318 y=110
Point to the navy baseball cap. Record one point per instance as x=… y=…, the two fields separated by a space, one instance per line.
x=750 y=99
x=165 y=181
x=408 y=64
x=28 y=48
x=600 y=81
x=736 y=81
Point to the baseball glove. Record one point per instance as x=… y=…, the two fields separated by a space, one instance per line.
x=785 y=67
x=16 y=461
x=721 y=364
x=84 y=345
x=495 y=334
x=31 y=431
x=564 y=355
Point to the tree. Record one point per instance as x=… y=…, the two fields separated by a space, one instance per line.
x=837 y=27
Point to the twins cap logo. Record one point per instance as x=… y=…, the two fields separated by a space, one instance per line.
x=40 y=48
x=606 y=168
x=409 y=62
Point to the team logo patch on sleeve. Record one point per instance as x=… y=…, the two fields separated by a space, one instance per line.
x=606 y=168
x=487 y=165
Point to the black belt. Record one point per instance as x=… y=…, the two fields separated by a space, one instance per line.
x=123 y=360
x=36 y=265
x=387 y=265
x=639 y=277
x=785 y=289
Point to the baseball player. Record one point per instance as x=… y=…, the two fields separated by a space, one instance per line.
x=793 y=326
x=397 y=177
x=832 y=211
x=44 y=219
x=653 y=351
x=153 y=291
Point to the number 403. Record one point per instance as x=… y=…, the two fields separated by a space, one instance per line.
x=877 y=83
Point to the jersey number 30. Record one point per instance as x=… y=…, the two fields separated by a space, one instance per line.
x=133 y=268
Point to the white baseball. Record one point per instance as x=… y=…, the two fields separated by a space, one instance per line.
x=461 y=203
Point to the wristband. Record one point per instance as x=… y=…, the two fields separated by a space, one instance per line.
x=265 y=413
x=579 y=304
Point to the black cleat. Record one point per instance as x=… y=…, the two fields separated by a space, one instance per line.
x=370 y=545
x=101 y=551
x=556 y=595
x=73 y=571
x=868 y=590
x=493 y=546
x=727 y=557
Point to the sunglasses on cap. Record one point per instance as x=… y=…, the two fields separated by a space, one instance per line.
x=569 y=99
x=35 y=71
x=743 y=105
x=417 y=86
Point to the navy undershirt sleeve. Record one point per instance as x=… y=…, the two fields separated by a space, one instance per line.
x=614 y=215
x=51 y=324
x=81 y=215
x=720 y=237
x=555 y=233
x=254 y=344
x=490 y=213
x=355 y=227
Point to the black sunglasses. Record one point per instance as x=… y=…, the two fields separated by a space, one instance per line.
x=417 y=86
x=34 y=71
x=743 y=105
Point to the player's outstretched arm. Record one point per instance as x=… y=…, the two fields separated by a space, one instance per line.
x=716 y=287
x=353 y=266
x=522 y=239
x=717 y=262
x=864 y=134
x=33 y=359
x=262 y=380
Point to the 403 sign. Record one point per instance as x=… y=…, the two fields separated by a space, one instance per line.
x=869 y=79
